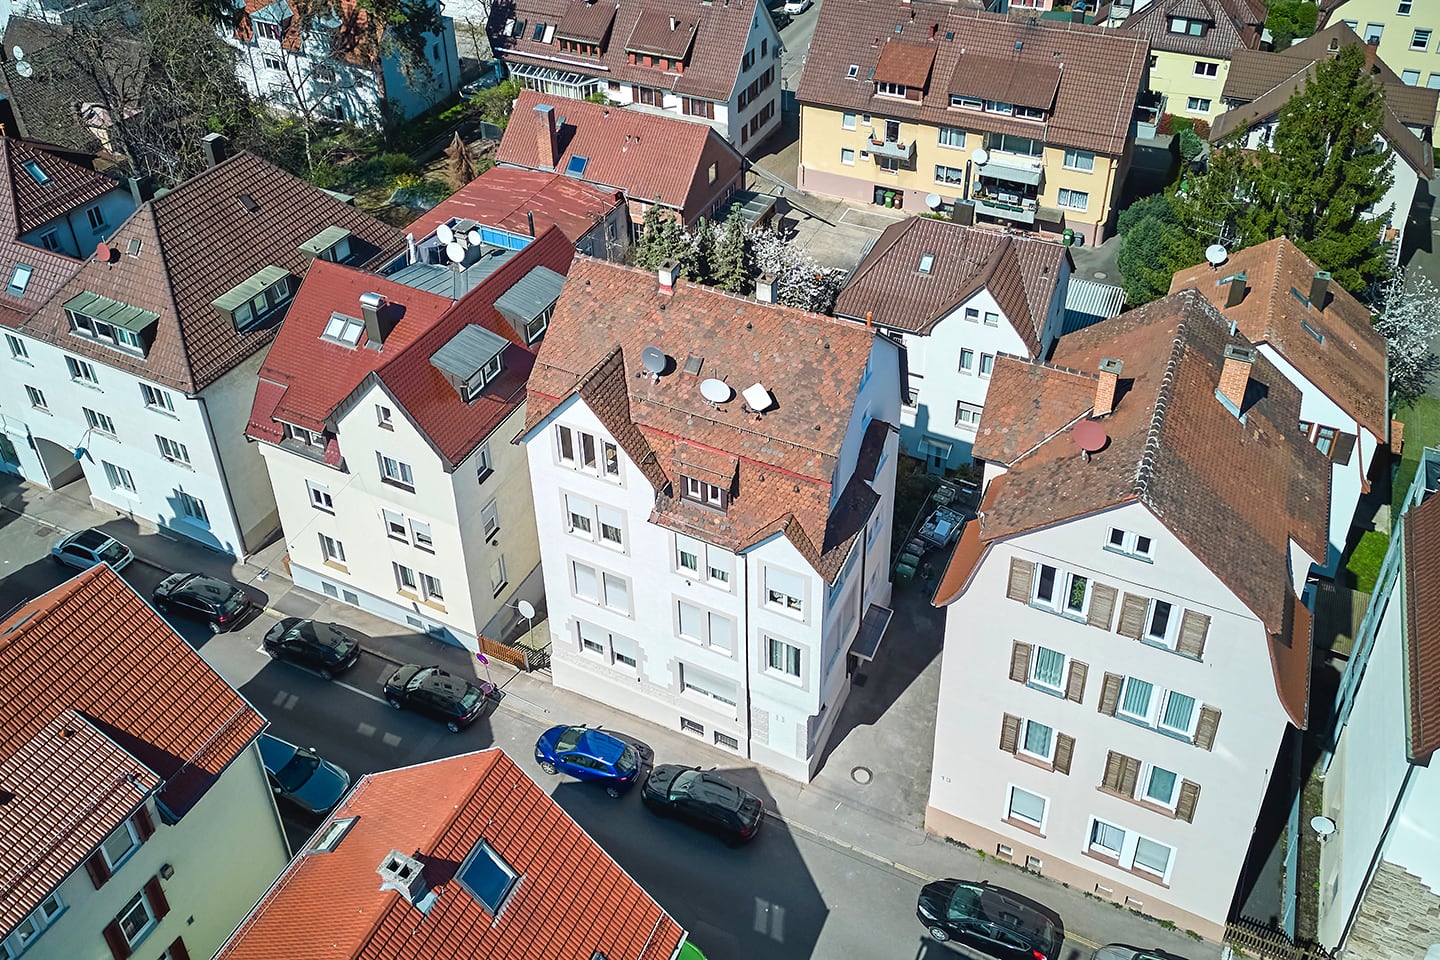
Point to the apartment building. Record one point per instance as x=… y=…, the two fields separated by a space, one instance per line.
x=137 y=818
x=955 y=298
x=716 y=64
x=137 y=373
x=1406 y=34
x=1009 y=122
x=1126 y=643
x=1191 y=43
x=1321 y=338
x=714 y=488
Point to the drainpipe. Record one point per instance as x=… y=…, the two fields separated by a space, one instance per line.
x=241 y=554
x=745 y=593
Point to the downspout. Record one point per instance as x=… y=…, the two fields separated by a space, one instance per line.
x=243 y=553
x=745 y=592
x=1375 y=858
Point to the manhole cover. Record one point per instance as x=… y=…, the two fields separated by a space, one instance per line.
x=862 y=775
x=1100 y=274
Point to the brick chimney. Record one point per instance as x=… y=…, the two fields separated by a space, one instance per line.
x=1235 y=376
x=1319 y=289
x=1105 y=387
x=549 y=137
x=666 y=276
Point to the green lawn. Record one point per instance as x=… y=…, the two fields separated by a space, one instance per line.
x=1366 y=558
x=1422 y=429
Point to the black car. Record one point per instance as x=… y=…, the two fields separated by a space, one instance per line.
x=997 y=922
x=300 y=777
x=705 y=800
x=223 y=605
x=325 y=648
x=1120 y=951
x=442 y=696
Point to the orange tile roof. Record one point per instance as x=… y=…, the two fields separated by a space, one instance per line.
x=572 y=902
x=968 y=552
x=1347 y=363
x=123 y=695
x=502 y=196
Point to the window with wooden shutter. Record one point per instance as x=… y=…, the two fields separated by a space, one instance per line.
x=155 y=893
x=98 y=869
x=1343 y=448
x=1129 y=776
x=1010 y=733
x=1102 y=606
x=1206 y=726
x=144 y=825
x=1110 y=693
x=115 y=940
x=1114 y=766
x=1189 y=796
x=1020 y=662
x=1194 y=628
x=1132 y=616
x=1075 y=683
x=1064 y=751
x=1022 y=574
x=178 y=950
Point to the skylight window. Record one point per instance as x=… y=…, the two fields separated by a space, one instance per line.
x=343 y=330
x=330 y=837
x=854 y=71
x=1315 y=334
x=36 y=174
x=488 y=877
x=926 y=262
x=576 y=166
x=19 y=280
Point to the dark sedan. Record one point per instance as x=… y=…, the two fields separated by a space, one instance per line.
x=299 y=777
x=704 y=800
x=222 y=605
x=995 y=921
x=325 y=648
x=439 y=695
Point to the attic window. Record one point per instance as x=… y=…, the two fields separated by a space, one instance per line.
x=576 y=166
x=530 y=302
x=853 y=72
x=539 y=32
x=703 y=492
x=329 y=838
x=927 y=261
x=332 y=243
x=487 y=877
x=471 y=359
x=249 y=203
x=132 y=249
x=343 y=330
x=109 y=321
x=36 y=174
x=20 y=279
x=256 y=298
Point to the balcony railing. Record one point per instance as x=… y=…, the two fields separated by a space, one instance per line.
x=894 y=149
x=1013 y=168
x=1022 y=212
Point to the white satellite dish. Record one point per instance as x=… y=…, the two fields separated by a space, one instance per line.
x=715 y=391
x=18 y=52
x=980 y=157
x=757 y=398
x=24 y=69
x=932 y=200
x=474 y=237
x=455 y=252
x=1323 y=826
x=444 y=234
x=526 y=609
x=654 y=360
x=1216 y=254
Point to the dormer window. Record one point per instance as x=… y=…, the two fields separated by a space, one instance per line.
x=304 y=437
x=110 y=322
x=703 y=492
x=332 y=244
x=1187 y=26
x=966 y=103
x=530 y=302
x=257 y=298
x=890 y=89
x=470 y=360
x=266 y=30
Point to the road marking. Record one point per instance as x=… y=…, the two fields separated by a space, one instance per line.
x=364 y=693
x=365 y=730
x=390 y=740
x=285 y=701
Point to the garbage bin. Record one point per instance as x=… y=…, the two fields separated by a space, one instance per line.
x=1068 y=237
x=1079 y=239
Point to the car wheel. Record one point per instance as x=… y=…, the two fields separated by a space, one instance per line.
x=548 y=767
x=612 y=793
x=452 y=726
x=939 y=934
x=393 y=702
x=162 y=607
x=324 y=674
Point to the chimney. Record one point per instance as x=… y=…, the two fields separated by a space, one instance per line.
x=405 y=875
x=137 y=193
x=371 y=305
x=1235 y=376
x=765 y=289
x=1105 y=387
x=530 y=220
x=1236 y=290
x=1319 y=288
x=1077 y=14
x=549 y=137
x=216 y=147
x=667 y=277
x=672 y=24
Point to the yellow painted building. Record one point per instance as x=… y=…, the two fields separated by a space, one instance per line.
x=1408 y=32
x=1191 y=43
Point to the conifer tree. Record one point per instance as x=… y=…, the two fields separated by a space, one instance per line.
x=734 y=261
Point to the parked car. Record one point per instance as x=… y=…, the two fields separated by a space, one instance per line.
x=992 y=920
x=300 y=777
x=793 y=7
x=492 y=74
x=86 y=548
x=1119 y=951
x=222 y=605
x=781 y=18
x=430 y=691
x=587 y=754
x=705 y=800
x=326 y=648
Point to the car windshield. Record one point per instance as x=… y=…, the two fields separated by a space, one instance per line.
x=293 y=775
x=965 y=904
x=569 y=737
x=683 y=784
x=112 y=552
x=472 y=697
x=234 y=602
x=628 y=761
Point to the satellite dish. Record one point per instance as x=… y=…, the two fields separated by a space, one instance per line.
x=1323 y=826
x=444 y=234
x=715 y=391
x=757 y=398
x=526 y=609
x=980 y=157
x=18 y=51
x=474 y=238
x=932 y=200
x=103 y=252
x=24 y=69
x=455 y=252
x=1089 y=435
x=1216 y=254
x=654 y=360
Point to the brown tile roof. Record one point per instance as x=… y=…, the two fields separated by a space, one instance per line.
x=968 y=552
x=502 y=196
x=711 y=70
x=358 y=40
x=907 y=64
x=1235 y=493
x=645 y=155
x=572 y=902
x=1022 y=273
x=50 y=270
x=1100 y=70
x=1348 y=364
x=196 y=243
x=137 y=699
x=69 y=184
x=786 y=460
x=586 y=21
x=1024 y=82
x=1422 y=644
x=1235 y=26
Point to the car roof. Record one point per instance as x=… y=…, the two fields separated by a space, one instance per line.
x=600 y=745
x=438 y=681
x=208 y=586
x=91 y=538
x=274 y=752
x=718 y=791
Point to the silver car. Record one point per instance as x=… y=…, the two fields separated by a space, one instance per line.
x=86 y=548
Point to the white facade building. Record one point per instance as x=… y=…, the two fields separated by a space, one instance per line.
x=712 y=570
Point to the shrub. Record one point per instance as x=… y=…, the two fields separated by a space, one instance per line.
x=396 y=164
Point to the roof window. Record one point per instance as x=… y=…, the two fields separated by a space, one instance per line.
x=576 y=166
x=927 y=261
x=343 y=330
x=20 y=279
x=329 y=838
x=487 y=877
x=36 y=174
x=853 y=72
x=254 y=300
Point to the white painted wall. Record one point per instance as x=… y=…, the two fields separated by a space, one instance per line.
x=74 y=231
x=971 y=775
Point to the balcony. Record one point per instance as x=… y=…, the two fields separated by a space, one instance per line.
x=893 y=149
x=1014 y=169
x=1022 y=211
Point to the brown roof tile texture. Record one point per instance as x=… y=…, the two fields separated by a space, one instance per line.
x=68 y=184
x=1022 y=273
x=1349 y=366
x=50 y=270
x=1422 y=600
x=502 y=196
x=586 y=21
x=907 y=64
x=1100 y=79
x=661 y=35
x=1234 y=26
x=196 y=243
x=1024 y=82
x=572 y=902
x=148 y=702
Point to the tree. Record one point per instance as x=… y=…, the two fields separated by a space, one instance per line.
x=1289 y=20
x=697 y=261
x=460 y=168
x=1410 y=321
x=662 y=237
x=800 y=282
x=1155 y=243
x=733 y=266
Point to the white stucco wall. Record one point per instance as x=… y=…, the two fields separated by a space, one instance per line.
x=226 y=405
x=74 y=232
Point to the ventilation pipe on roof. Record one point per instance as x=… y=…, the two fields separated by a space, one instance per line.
x=371 y=304
x=530 y=221
x=1319 y=289
x=1235 y=377
x=1106 y=386
x=672 y=24
x=216 y=148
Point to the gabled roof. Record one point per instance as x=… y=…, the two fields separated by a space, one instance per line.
x=68 y=184
x=121 y=695
x=905 y=63
x=1020 y=272
x=503 y=196
x=1096 y=73
x=1235 y=25
x=196 y=243
x=572 y=902
x=1347 y=360
x=714 y=34
x=1422 y=616
x=647 y=156
x=786 y=459
x=1235 y=493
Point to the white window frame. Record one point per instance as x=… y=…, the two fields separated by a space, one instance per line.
x=127 y=829
x=1063 y=585
x=332 y=549
x=1167 y=636
x=992 y=319
x=967 y=361
x=974 y=412
x=405 y=578
x=1136 y=865
x=156 y=399
x=1206 y=68
x=119 y=478
x=848 y=121
x=847 y=156
x=173 y=450
x=947 y=135
x=1156 y=708
x=1034 y=680
x=81 y=371
x=499 y=580
x=575 y=582
x=18 y=350
x=1132 y=544
x=384 y=417
x=1411 y=78
x=143 y=903
x=490 y=520
x=421 y=536
x=99 y=422
x=790 y=654
x=987 y=365
x=688 y=685
x=1023 y=741
x=777 y=598
x=20 y=279
x=396 y=472
x=39 y=920
x=36 y=396
x=1101 y=848
x=1147 y=780
x=484 y=465
x=320 y=497
x=705 y=620
x=192 y=507
x=1419 y=43
x=430 y=586
x=613 y=587
x=951 y=176
x=602 y=459
x=1011 y=814
x=1198 y=104
x=1082 y=160
x=1077 y=200
x=610 y=650
x=604 y=514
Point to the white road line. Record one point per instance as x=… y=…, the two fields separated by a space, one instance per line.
x=365 y=730
x=364 y=693
x=390 y=740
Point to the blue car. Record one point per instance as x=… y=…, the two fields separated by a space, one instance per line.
x=587 y=754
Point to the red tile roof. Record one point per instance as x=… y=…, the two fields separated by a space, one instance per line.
x=1234 y=25
x=1021 y=273
x=122 y=694
x=502 y=196
x=649 y=157
x=572 y=902
x=1235 y=493
x=1098 y=71
x=1422 y=616
x=907 y=64
x=21 y=201
x=787 y=459
x=1347 y=363
x=196 y=243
